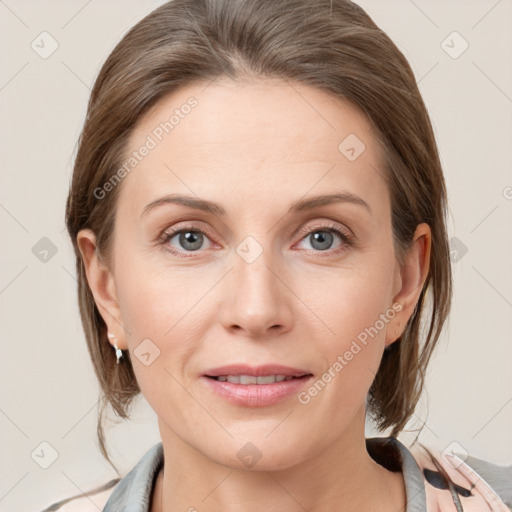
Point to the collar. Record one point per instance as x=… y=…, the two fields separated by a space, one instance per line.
x=133 y=492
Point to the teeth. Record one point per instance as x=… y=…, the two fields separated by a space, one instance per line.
x=251 y=379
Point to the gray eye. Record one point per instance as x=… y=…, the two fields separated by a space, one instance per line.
x=321 y=240
x=190 y=240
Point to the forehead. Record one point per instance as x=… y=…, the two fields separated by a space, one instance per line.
x=272 y=137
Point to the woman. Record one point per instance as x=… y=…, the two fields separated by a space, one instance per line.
x=258 y=214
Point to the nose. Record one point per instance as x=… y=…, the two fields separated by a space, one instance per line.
x=257 y=300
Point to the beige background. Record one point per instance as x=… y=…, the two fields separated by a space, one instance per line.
x=49 y=392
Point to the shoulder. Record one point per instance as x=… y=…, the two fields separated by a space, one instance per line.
x=90 y=501
x=132 y=489
x=459 y=478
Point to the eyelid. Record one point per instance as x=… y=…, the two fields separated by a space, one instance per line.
x=171 y=232
x=326 y=224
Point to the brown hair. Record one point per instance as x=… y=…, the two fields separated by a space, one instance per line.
x=332 y=45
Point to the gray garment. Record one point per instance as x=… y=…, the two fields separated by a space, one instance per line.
x=133 y=492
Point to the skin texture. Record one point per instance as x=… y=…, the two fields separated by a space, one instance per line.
x=255 y=148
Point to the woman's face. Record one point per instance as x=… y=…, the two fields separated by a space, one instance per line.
x=267 y=276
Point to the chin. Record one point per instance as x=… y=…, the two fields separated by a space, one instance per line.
x=260 y=455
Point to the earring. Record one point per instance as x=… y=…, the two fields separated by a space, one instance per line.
x=119 y=352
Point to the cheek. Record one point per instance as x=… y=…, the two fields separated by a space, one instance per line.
x=153 y=297
x=159 y=311
x=348 y=301
x=352 y=313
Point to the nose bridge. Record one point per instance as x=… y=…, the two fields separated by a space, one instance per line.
x=257 y=299
x=252 y=268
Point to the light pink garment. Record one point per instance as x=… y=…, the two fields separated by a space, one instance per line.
x=483 y=498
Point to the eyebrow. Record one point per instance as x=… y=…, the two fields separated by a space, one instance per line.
x=298 y=206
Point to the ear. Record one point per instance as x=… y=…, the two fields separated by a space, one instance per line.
x=410 y=279
x=102 y=285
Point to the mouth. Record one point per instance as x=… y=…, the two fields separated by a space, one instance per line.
x=252 y=379
x=264 y=386
x=264 y=374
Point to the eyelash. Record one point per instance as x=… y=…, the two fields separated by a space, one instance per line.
x=346 y=238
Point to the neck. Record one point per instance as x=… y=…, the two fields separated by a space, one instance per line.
x=337 y=477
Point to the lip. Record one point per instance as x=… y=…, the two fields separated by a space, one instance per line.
x=256 y=395
x=258 y=371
